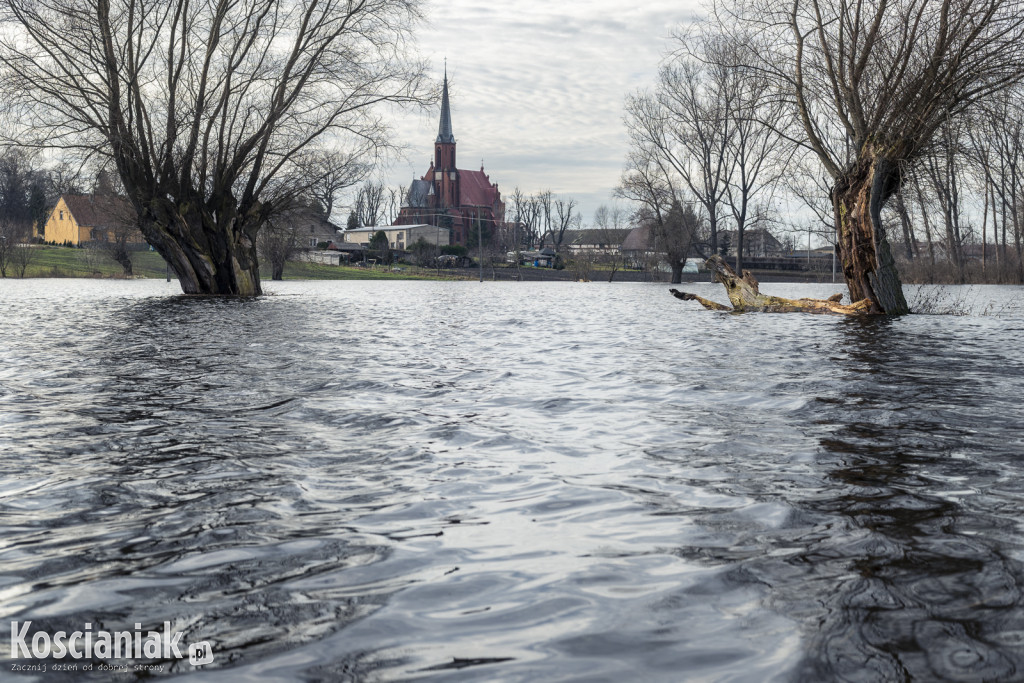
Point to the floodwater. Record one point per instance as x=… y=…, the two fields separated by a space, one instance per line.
x=513 y=481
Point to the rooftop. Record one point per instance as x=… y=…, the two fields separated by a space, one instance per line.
x=98 y=210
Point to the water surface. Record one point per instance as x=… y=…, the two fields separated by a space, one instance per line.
x=516 y=481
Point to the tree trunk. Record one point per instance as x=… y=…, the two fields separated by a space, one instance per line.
x=864 y=252
x=908 y=232
x=984 y=233
x=210 y=254
x=739 y=248
x=713 y=231
x=745 y=296
x=677 y=271
x=927 y=229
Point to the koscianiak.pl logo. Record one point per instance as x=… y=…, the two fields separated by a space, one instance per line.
x=110 y=646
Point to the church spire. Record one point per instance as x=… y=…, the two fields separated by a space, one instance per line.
x=444 y=131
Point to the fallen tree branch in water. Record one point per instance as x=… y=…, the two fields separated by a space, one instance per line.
x=745 y=296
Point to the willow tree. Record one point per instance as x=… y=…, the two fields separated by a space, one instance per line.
x=871 y=82
x=208 y=110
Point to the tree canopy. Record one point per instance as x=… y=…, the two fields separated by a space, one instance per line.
x=214 y=114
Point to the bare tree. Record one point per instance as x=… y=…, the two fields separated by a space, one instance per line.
x=526 y=211
x=120 y=230
x=685 y=128
x=609 y=225
x=22 y=256
x=15 y=250
x=65 y=177
x=870 y=84
x=393 y=203
x=756 y=155
x=565 y=218
x=277 y=243
x=330 y=172
x=675 y=233
x=998 y=145
x=673 y=225
x=543 y=201
x=943 y=168
x=370 y=201
x=207 y=110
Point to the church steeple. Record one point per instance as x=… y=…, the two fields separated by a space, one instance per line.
x=444 y=145
x=444 y=130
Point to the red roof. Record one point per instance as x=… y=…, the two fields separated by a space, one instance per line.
x=476 y=189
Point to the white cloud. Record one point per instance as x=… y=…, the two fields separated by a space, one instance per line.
x=538 y=88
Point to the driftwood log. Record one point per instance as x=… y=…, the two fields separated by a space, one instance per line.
x=745 y=296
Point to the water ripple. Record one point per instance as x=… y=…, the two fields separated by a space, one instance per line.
x=514 y=481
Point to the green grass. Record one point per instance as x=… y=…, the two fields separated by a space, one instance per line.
x=295 y=270
x=50 y=261
x=69 y=262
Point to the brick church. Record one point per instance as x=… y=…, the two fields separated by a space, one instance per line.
x=452 y=197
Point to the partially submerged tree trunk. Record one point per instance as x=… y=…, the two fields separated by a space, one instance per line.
x=864 y=251
x=210 y=253
x=677 y=272
x=745 y=296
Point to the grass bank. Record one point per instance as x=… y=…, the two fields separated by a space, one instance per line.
x=295 y=270
x=48 y=261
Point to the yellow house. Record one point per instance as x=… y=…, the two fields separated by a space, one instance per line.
x=81 y=218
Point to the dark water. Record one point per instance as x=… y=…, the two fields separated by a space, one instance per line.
x=515 y=481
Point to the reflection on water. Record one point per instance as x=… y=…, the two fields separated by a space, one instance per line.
x=515 y=481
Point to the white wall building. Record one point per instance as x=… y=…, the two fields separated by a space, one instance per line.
x=401 y=236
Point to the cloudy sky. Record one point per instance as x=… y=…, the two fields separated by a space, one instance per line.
x=537 y=89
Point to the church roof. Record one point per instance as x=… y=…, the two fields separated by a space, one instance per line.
x=444 y=130
x=476 y=189
x=418 y=193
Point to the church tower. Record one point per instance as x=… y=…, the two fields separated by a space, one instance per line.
x=452 y=199
x=446 y=176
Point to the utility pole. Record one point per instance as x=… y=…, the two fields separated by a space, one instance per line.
x=480 y=244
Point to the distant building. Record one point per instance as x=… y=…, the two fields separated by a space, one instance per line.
x=449 y=196
x=81 y=218
x=324 y=257
x=640 y=250
x=597 y=240
x=757 y=243
x=401 y=236
x=308 y=225
x=638 y=246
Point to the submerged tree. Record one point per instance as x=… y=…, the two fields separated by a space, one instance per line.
x=663 y=208
x=209 y=111
x=683 y=132
x=871 y=83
